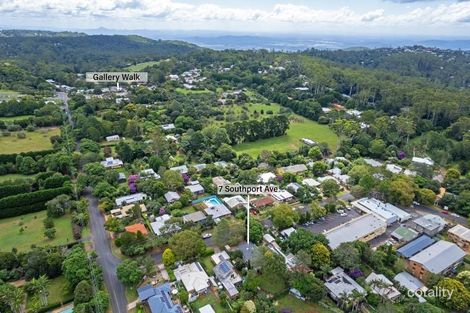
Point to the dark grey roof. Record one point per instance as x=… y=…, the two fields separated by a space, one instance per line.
x=415 y=246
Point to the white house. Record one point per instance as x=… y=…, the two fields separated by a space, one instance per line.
x=112 y=163
x=113 y=138
x=134 y=198
x=426 y=161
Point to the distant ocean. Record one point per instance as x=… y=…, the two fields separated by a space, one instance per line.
x=288 y=42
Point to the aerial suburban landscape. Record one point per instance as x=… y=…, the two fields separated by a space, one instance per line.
x=125 y=163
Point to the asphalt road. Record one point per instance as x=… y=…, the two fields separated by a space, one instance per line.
x=452 y=218
x=106 y=259
x=65 y=99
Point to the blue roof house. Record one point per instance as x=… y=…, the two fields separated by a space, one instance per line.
x=159 y=299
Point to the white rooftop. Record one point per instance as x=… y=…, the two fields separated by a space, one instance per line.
x=439 y=257
x=354 y=229
x=426 y=161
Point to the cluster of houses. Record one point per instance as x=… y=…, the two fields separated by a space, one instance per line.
x=415 y=237
x=188 y=78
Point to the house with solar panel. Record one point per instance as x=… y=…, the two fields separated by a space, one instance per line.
x=159 y=299
x=226 y=274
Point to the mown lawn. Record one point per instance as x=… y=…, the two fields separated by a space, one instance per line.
x=34 y=141
x=15 y=118
x=58 y=292
x=207 y=265
x=271 y=284
x=291 y=141
x=12 y=177
x=33 y=231
x=211 y=299
x=185 y=91
x=140 y=66
x=299 y=306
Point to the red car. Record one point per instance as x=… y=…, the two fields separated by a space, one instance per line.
x=445 y=212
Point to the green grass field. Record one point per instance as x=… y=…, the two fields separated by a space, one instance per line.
x=7 y=94
x=192 y=91
x=271 y=284
x=58 y=292
x=34 y=141
x=291 y=141
x=15 y=118
x=140 y=66
x=11 y=177
x=10 y=236
x=211 y=299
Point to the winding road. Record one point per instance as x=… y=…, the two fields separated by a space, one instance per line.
x=106 y=258
x=100 y=239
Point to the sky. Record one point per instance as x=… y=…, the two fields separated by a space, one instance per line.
x=431 y=18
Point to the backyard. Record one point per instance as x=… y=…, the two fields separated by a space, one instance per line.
x=211 y=299
x=298 y=306
x=11 y=235
x=58 y=291
x=300 y=128
x=34 y=141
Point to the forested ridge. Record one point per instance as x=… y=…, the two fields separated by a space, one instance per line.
x=445 y=67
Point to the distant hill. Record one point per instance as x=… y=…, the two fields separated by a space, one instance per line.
x=442 y=66
x=76 y=52
x=37 y=33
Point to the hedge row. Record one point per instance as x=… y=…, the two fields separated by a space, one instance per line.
x=11 y=190
x=55 y=182
x=29 y=202
x=11 y=158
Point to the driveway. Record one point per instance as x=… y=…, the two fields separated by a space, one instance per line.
x=106 y=259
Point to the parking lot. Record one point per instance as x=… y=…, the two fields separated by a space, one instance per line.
x=331 y=220
x=335 y=219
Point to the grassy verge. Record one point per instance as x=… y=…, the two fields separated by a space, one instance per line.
x=291 y=141
x=34 y=141
x=33 y=231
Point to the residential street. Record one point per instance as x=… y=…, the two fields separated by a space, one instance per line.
x=106 y=259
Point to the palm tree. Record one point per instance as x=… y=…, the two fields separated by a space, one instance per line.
x=344 y=300
x=14 y=297
x=356 y=299
x=380 y=286
x=40 y=288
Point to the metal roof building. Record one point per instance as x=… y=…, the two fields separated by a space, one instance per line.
x=415 y=246
x=439 y=257
x=363 y=228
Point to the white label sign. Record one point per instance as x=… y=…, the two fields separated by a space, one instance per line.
x=246 y=189
x=116 y=77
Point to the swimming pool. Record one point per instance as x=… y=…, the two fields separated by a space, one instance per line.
x=210 y=201
x=67 y=310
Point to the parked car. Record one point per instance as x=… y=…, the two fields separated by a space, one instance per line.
x=206 y=235
x=343 y=214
